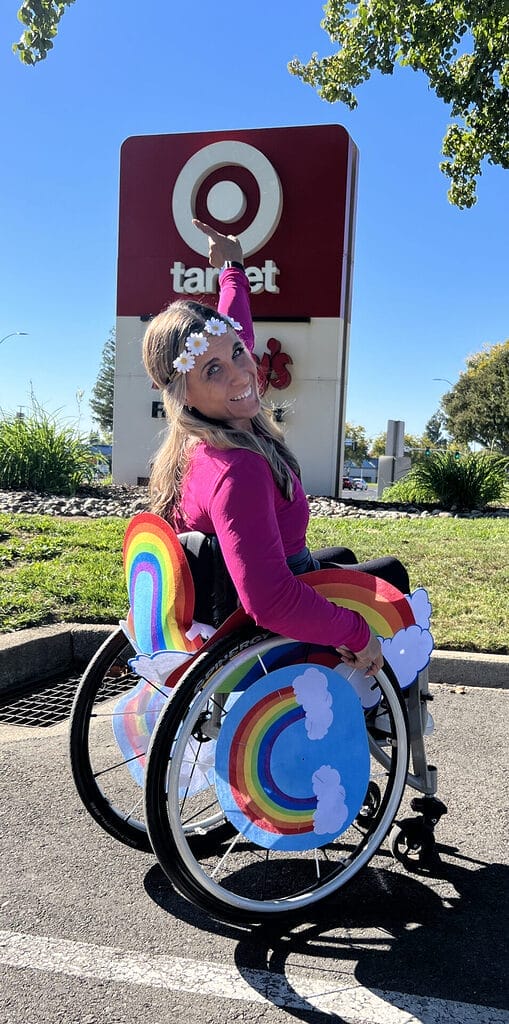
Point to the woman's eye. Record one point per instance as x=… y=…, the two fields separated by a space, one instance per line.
x=238 y=351
x=212 y=370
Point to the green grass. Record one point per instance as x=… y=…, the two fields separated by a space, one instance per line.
x=59 y=570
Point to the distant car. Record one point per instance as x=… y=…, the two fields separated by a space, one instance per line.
x=359 y=485
x=347 y=484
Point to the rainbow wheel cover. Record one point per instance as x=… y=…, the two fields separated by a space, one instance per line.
x=292 y=759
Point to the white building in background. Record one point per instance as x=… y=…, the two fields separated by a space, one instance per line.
x=289 y=195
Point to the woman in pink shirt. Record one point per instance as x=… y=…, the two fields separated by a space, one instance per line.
x=224 y=467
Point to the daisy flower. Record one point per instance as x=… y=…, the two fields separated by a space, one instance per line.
x=197 y=343
x=215 y=327
x=184 y=362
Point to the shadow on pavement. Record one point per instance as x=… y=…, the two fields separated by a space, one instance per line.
x=397 y=931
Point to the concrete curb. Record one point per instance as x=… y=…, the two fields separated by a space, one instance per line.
x=462 y=668
x=36 y=655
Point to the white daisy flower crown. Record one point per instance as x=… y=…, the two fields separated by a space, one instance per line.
x=197 y=343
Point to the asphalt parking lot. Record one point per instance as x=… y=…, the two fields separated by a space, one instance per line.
x=92 y=931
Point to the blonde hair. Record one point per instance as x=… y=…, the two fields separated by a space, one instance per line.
x=164 y=340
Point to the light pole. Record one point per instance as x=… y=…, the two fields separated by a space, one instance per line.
x=13 y=335
x=447 y=381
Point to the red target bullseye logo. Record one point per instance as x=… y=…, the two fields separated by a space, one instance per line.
x=232 y=186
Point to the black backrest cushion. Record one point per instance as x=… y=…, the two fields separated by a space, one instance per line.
x=215 y=594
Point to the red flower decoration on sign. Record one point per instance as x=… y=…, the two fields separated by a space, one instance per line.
x=272 y=367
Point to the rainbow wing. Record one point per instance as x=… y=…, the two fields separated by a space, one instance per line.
x=384 y=607
x=134 y=721
x=160 y=586
x=400 y=621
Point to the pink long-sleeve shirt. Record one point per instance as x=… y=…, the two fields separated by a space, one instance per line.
x=233 y=494
x=234 y=300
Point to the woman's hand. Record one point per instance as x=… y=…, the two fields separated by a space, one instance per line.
x=221 y=247
x=369 y=658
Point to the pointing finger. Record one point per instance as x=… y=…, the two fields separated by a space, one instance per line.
x=208 y=230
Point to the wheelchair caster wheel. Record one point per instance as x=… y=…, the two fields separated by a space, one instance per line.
x=370 y=807
x=412 y=844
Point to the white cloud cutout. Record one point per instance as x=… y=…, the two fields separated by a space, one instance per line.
x=408 y=652
x=312 y=693
x=365 y=686
x=331 y=810
x=421 y=607
x=156 y=668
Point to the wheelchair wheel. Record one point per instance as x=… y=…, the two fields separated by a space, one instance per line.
x=101 y=773
x=233 y=878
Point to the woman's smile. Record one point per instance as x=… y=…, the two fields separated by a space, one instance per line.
x=246 y=394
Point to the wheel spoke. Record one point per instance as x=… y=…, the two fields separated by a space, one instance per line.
x=200 y=812
x=317 y=864
x=225 y=856
x=262 y=663
x=119 y=764
x=135 y=807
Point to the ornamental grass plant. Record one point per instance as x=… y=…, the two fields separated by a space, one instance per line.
x=37 y=453
x=472 y=481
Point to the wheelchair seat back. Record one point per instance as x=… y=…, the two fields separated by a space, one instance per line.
x=215 y=594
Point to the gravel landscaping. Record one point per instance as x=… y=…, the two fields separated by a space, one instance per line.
x=124 y=501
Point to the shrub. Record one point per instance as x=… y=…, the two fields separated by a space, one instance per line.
x=39 y=454
x=471 y=481
x=408 y=489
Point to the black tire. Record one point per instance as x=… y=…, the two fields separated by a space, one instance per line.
x=237 y=880
x=102 y=778
x=412 y=844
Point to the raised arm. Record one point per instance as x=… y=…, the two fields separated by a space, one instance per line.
x=234 y=293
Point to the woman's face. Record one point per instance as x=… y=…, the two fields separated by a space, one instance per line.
x=222 y=383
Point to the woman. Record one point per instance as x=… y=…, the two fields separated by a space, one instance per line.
x=224 y=467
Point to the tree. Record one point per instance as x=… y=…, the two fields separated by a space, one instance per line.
x=477 y=407
x=411 y=444
x=356 y=444
x=377 y=447
x=41 y=19
x=433 y=430
x=102 y=401
x=462 y=46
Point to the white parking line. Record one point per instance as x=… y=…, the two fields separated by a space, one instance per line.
x=296 y=990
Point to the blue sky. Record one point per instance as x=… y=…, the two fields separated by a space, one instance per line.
x=430 y=281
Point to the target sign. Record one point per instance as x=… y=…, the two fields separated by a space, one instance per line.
x=285 y=192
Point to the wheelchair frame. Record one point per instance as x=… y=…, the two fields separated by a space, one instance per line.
x=186 y=850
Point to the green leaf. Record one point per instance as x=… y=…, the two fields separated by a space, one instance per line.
x=378 y=35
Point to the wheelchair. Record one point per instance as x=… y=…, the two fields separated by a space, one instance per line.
x=246 y=761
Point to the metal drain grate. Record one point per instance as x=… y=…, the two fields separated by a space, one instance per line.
x=42 y=706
